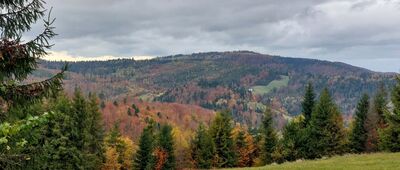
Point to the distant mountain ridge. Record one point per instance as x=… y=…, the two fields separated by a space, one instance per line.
x=242 y=81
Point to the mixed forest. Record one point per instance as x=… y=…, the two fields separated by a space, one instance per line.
x=200 y=111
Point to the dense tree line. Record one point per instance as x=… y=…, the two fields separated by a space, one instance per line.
x=318 y=132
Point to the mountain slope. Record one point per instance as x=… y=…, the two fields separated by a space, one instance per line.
x=244 y=82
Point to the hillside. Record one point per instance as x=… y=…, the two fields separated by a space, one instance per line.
x=243 y=81
x=357 y=162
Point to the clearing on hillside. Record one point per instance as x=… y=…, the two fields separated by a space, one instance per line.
x=283 y=82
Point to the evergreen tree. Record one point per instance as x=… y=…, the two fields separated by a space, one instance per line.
x=380 y=106
x=165 y=144
x=136 y=109
x=144 y=156
x=292 y=141
x=80 y=116
x=269 y=137
x=221 y=133
x=129 y=112
x=60 y=151
x=95 y=134
x=202 y=149
x=358 y=137
x=390 y=136
x=18 y=58
x=375 y=119
x=308 y=103
x=325 y=134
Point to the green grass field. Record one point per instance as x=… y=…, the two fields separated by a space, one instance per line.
x=379 y=161
x=260 y=90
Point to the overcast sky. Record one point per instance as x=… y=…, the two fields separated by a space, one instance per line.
x=364 y=33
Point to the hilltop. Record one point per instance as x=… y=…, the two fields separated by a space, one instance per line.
x=242 y=81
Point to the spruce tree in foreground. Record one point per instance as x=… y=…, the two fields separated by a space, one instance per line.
x=60 y=151
x=95 y=134
x=308 y=103
x=18 y=59
x=325 y=134
x=144 y=156
x=358 y=136
x=380 y=106
x=390 y=137
x=202 y=149
x=79 y=116
x=269 y=137
x=221 y=133
x=165 y=157
x=375 y=119
x=292 y=140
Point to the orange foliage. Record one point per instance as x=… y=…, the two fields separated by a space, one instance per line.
x=182 y=116
x=248 y=153
x=161 y=158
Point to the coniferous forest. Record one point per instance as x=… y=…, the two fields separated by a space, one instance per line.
x=44 y=126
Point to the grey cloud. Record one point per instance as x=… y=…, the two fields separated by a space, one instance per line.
x=342 y=30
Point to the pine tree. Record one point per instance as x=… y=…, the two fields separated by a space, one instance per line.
x=18 y=58
x=80 y=116
x=325 y=134
x=380 y=106
x=308 y=103
x=144 y=156
x=358 y=137
x=221 y=133
x=269 y=137
x=129 y=112
x=390 y=136
x=375 y=119
x=292 y=141
x=59 y=150
x=165 y=144
x=95 y=134
x=202 y=149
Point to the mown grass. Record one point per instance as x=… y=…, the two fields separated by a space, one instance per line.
x=260 y=90
x=378 y=161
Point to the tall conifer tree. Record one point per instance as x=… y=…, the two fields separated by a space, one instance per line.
x=144 y=156
x=326 y=135
x=390 y=137
x=95 y=130
x=221 y=133
x=376 y=119
x=202 y=149
x=60 y=149
x=358 y=137
x=18 y=59
x=308 y=103
x=165 y=145
x=269 y=137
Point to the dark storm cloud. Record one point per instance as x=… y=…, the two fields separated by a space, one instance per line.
x=354 y=31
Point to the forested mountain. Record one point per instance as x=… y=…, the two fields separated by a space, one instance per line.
x=243 y=81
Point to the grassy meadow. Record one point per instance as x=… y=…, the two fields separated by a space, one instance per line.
x=378 y=161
